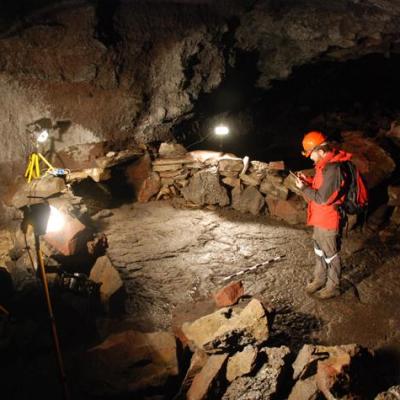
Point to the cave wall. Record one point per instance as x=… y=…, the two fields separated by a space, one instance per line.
x=131 y=70
x=130 y=78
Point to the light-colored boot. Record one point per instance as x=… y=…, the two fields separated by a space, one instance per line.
x=314 y=285
x=328 y=293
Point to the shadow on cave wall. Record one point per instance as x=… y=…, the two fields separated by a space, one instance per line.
x=268 y=125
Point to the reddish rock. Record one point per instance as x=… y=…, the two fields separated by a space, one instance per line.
x=292 y=210
x=139 y=171
x=103 y=272
x=374 y=163
x=205 y=382
x=197 y=362
x=229 y=294
x=129 y=361
x=69 y=240
x=277 y=165
x=150 y=187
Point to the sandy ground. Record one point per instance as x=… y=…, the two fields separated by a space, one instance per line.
x=171 y=258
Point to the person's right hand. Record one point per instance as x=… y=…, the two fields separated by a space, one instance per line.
x=302 y=176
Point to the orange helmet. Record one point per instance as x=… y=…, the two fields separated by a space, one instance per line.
x=312 y=140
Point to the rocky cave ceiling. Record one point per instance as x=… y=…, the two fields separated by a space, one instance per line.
x=144 y=71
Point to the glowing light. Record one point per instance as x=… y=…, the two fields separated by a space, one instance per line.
x=56 y=220
x=221 y=130
x=42 y=136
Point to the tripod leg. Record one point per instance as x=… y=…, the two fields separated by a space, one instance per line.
x=45 y=161
x=28 y=167
x=37 y=166
x=52 y=319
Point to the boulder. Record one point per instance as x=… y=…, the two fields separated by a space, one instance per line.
x=249 y=327
x=266 y=382
x=229 y=295
x=247 y=200
x=197 y=362
x=167 y=167
x=252 y=179
x=71 y=239
x=171 y=150
x=293 y=210
x=331 y=370
x=204 y=188
x=149 y=188
x=113 y=158
x=226 y=329
x=139 y=171
x=373 y=162
x=203 y=330
x=241 y=363
x=36 y=190
x=97 y=174
x=260 y=167
x=207 y=380
x=394 y=195
x=231 y=181
x=129 y=361
x=227 y=164
x=104 y=273
x=306 y=389
x=392 y=393
x=274 y=191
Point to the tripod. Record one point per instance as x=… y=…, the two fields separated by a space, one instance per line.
x=33 y=168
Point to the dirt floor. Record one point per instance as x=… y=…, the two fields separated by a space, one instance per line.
x=173 y=258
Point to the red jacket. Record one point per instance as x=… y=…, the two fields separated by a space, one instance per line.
x=323 y=194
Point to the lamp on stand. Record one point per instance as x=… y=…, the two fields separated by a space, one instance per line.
x=45 y=218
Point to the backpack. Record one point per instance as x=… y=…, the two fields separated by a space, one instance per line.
x=355 y=190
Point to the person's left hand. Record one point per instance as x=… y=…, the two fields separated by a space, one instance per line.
x=300 y=183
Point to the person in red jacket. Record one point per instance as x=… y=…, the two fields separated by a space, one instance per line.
x=324 y=195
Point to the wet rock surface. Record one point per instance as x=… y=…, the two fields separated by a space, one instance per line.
x=197 y=248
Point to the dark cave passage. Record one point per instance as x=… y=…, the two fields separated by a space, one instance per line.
x=330 y=96
x=153 y=247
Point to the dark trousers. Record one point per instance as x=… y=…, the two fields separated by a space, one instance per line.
x=327 y=261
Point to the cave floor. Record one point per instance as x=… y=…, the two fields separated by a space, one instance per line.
x=174 y=258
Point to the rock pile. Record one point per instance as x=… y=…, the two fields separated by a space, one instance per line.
x=231 y=359
x=206 y=178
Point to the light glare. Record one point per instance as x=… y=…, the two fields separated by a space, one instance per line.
x=221 y=130
x=56 y=221
x=42 y=137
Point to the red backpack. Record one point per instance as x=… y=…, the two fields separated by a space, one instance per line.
x=355 y=190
